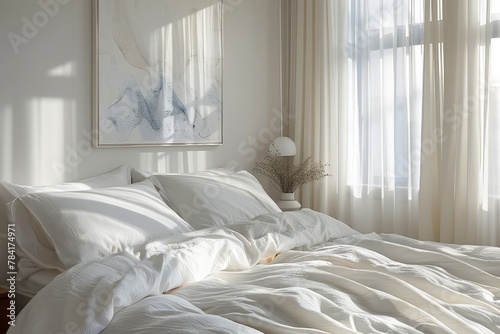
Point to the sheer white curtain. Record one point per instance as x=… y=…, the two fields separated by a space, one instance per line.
x=401 y=98
x=459 y=185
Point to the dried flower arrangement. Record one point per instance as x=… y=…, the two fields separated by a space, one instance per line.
x=286 y=176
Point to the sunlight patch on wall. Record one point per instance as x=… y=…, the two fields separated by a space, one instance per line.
x=174 y=162
x=197 y=161
x=6 y=142
x=49 y=122
x=64 y=70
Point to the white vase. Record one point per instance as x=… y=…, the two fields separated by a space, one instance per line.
x=287 y=202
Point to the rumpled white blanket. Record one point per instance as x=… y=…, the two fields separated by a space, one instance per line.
x=296 y=272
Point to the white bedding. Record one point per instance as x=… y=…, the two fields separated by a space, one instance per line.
x=37 y=281
x=294 y=272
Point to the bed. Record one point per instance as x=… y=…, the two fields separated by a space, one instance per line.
x=210 y=252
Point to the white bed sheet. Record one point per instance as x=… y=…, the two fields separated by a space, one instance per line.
x=296 y=272
x=37 y=281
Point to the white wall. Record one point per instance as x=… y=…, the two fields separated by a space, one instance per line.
x=45 y=95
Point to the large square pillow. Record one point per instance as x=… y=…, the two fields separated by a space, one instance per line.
x=82 y=226
x=215 y=197
x=9 y=191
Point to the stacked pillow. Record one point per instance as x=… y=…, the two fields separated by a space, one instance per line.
x=76 y=227
x=9 y=192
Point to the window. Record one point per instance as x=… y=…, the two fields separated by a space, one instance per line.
x=386 y=72
x=386 y=64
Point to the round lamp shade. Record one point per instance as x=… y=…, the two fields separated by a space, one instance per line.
x=283 y=146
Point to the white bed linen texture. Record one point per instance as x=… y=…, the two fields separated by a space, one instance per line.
x=81 y=226
x=292 y=272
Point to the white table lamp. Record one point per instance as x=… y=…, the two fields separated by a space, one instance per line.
x=283 y=147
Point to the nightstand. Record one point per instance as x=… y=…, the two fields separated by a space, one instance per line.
x=4 y=303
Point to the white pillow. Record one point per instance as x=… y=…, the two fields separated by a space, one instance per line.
x=9 y=191
x=138 y=175
x=215 y=197
x=85 y=225
x=115 y=178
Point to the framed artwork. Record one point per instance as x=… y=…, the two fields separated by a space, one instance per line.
x=157 y=72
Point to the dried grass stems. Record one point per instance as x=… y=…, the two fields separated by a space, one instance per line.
x=286 y=176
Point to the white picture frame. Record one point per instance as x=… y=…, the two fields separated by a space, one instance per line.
x=157 y=72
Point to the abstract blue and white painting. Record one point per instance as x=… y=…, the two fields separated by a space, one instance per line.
x=158 y=72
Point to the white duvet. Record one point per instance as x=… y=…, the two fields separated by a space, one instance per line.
x=295 y=272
